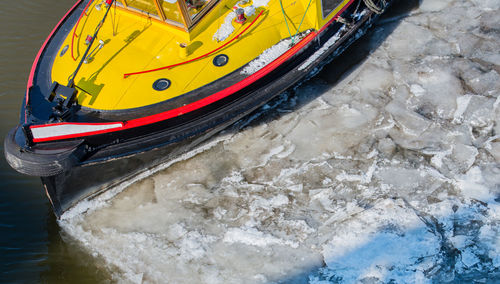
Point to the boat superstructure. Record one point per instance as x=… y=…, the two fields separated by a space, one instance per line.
x=121 y=86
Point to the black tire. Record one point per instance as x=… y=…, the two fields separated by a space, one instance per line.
x=39 y=164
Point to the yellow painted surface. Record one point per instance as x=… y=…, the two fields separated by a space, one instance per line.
x=135 y=43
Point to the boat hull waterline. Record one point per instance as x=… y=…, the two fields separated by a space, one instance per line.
x=80 y=167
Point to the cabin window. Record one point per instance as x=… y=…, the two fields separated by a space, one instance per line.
x=195 y=7
x=171 y=10
x=329 y=6
x=144 y=6
x=165 y=10
x=184 y=13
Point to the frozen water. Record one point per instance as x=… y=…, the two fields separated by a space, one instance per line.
x=391 y=175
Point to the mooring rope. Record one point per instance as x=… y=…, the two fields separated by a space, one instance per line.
x=303 y=16
x=374 y=7
x=300 y=24
x=286 y=22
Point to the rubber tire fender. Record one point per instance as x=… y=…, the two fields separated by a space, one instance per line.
x=32 y=163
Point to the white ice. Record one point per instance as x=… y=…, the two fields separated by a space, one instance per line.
x=268 y=56
x=323 y=49
x=390 y=175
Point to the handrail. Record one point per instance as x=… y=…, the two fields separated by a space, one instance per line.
x=199 y=57
x=76 y=26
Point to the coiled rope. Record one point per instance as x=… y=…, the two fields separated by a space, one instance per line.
x=376 y=8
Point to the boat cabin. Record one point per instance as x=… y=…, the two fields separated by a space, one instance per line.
x=185 y=14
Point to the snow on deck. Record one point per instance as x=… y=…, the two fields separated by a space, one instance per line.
x=268 y=56
x=227 y=27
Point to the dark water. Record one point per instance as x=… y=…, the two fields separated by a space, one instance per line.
x=31 y=245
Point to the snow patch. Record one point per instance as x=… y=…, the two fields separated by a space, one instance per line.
x=323 y=49
x=253 y=237
x=472 y=185
x=227 y=27
x=268 y=56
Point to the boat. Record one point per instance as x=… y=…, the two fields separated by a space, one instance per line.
x=122 y=86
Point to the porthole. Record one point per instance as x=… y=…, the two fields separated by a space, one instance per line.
x=220 y=60
x=63 y=51
x=161 y=84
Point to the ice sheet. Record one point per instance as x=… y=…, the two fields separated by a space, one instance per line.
x=389 y=176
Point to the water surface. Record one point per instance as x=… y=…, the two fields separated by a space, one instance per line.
x=31 y=248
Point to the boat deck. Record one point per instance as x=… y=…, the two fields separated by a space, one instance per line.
x=133 y=43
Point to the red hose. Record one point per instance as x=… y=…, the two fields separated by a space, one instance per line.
x=199 y=57
x=76 y=26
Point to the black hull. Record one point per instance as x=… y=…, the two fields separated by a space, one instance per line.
x=92 y=165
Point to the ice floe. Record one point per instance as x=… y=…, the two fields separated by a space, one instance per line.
x=392 y=175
